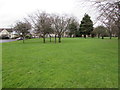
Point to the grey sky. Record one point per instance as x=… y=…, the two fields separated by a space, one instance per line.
x=13 y=10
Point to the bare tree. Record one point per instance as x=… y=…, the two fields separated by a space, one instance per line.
x=109 y=13
x=51 y=30
x=73 y=27
x=45 y=25
x=42 y=24
x=108 y=24
x=55 y=24
x=22 y=28
x=60 y=25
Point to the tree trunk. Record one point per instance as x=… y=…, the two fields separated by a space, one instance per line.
x=98 y=35
x=119 y=35
x=110 y=36
x=23 y=39
x=79 y=35
x=59 y=36
x=55 y=38
x=50 y=38
x=43 y=38
x=102 y=37
x=84 y=36
x=92 y=35
x=39 y=36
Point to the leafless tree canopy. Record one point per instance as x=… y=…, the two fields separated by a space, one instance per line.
x=109 y=13
x=60 y=25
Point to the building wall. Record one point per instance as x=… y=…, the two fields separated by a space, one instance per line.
x=4 y=32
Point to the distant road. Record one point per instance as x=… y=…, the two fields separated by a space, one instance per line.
x=9 y=40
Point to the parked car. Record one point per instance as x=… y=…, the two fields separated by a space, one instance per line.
x=20 y=38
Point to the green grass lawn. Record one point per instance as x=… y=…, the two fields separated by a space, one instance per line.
x=74 y=63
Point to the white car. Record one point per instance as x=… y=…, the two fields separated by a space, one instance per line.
x=20 y=38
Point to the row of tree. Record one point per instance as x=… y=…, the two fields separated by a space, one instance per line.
x=46 y=24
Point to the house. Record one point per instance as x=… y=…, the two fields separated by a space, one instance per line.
x=7 y=32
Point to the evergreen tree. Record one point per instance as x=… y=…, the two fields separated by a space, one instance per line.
x=73 y=29
x=86 y=26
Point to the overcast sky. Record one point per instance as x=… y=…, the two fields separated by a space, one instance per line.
x=14 y=10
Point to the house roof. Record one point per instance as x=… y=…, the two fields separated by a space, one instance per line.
x=8 y=29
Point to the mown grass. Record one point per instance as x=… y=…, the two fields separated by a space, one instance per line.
x=74 y=63
x=0 y=65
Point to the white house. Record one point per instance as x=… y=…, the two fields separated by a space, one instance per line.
x=8 y=32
